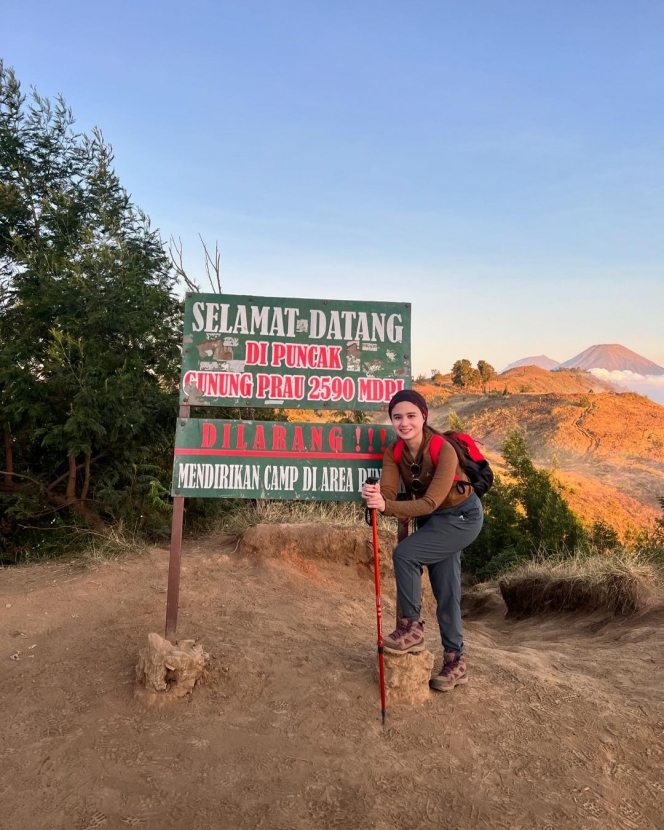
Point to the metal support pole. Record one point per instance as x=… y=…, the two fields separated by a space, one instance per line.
x=173 y=594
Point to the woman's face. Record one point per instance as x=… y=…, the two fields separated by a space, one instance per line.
x=407 y=420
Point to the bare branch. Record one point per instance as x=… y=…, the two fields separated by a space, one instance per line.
x=57 y=481
x=18 y=475
x=9 y=456
x=86 y=482
x=70 y=494
x=175 y=255
x=213 y=266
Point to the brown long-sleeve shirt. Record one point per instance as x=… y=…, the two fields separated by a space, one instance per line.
x=437 y=481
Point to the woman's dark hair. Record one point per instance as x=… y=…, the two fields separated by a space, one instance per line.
x=454 y=441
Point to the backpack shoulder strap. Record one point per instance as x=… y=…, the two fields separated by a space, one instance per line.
x=435 y=446
x=434 y=451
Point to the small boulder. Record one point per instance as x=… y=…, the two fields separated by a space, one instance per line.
x=168 y=671
x=407 y=678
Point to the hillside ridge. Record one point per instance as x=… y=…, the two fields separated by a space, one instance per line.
x=540 y=360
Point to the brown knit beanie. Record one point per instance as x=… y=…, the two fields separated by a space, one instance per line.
x=411 y=396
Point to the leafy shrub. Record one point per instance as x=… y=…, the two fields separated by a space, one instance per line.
x=651 y=542
x=455 y=423
x=603 y=537
x=524 y=516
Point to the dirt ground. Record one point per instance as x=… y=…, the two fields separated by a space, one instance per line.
x=561 y=726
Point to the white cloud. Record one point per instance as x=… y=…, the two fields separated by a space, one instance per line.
x=650 y=385
x=626 y=377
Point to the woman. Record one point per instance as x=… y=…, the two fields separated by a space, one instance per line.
x=449 y=517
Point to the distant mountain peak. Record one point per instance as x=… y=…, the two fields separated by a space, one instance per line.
x=614 y=358
x=541 y=361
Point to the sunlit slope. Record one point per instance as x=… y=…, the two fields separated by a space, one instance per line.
x=525 y=380
x=534 y=379
x=626 y=428
x=613 y=441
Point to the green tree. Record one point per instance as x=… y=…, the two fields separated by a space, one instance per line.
x=487 y=373
x=463 y=373
x=474 y=378
x=548 y=523
x=501 y=544
x=90 y=327
x=524 y=516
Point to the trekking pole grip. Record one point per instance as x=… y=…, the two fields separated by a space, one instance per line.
x=369 y=510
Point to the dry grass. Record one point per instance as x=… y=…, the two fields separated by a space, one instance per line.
x=248 y=514
x=116 y=541
x=82 y=545
x=615 y=583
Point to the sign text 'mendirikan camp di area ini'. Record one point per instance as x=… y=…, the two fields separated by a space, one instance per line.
x=308 y=354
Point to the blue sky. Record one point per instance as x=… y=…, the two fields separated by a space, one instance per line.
x=499 y=165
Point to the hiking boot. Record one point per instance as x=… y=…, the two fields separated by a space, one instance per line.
x=452 y=674
x=407 y=639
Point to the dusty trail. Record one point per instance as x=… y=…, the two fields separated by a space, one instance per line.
x=593 y=445
x=561 y=726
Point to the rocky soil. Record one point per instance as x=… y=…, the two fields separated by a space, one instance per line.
x=561 y=726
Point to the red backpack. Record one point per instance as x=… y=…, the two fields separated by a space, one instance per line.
x=477 y=467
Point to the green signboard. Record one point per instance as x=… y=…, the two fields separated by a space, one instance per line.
x=293 y=353
x=276 y=460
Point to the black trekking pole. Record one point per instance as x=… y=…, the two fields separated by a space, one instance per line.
x=379 y=612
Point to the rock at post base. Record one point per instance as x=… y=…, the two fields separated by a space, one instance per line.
x=407 y=678
x=168 y=671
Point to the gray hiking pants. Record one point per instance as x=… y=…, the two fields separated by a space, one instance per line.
x=437 y=543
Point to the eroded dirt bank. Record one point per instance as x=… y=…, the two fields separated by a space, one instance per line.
x=562 y=725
